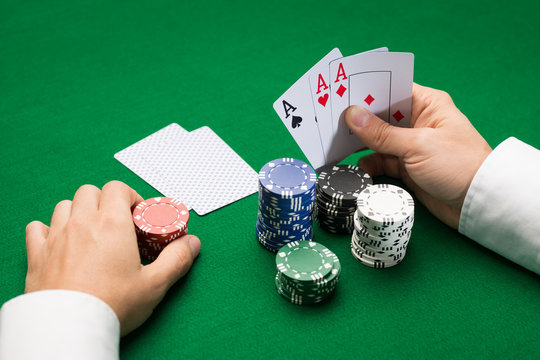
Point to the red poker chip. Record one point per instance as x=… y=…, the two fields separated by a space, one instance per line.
x=160 y=216
x=151 y=246
x=160 y=239
x=148 y=254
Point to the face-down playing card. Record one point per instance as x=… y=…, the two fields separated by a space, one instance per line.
x=140 y=156
x=379 y=81
x=295 y=109
x=197 y=168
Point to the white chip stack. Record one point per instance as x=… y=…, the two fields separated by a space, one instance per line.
x=382 y=225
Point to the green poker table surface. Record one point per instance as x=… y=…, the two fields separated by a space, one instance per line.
x=80 y=81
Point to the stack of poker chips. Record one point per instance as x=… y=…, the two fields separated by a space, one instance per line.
x=286 y=198
x=158 y=221
x=307 y=272
x=337 y=189
x=383 y=222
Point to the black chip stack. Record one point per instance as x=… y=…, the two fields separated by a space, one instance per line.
x=337 y=188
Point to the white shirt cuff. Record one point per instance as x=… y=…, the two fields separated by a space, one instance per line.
x=58 y=324
x=501 y=210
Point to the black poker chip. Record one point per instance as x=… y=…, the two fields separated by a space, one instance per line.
x=342 y=183
x=337 y=189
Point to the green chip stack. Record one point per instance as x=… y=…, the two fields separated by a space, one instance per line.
x=308 y=272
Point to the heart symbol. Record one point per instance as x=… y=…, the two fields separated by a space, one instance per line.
x=296 y=120
x=323 y=99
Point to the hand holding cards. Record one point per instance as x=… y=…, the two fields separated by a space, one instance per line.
x=313 y=108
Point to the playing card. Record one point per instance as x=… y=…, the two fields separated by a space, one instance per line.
x=138 y=156
x=197 y=168
x=319 y=86
x=374 y=90
x=295 y=109
x=379 y=81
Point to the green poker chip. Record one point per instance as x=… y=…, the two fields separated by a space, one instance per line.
x=308 y=272
x=297 y=298
x=304 y=261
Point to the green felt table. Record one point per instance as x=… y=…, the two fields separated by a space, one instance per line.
x=82 y=80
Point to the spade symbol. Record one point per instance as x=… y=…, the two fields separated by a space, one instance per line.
x=296 y=120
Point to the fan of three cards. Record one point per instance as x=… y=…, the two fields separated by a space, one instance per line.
x=313 y=108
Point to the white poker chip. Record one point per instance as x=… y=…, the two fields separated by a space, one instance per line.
x=386 y=205
x=382 y=226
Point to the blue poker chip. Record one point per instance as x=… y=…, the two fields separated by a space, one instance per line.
x=287 y=194
x=287 y=178
x=272 y=197
x=281 y=241
x=278 y=242
x=281 y=218
x=288 y=206
x=284 y=230
x=282 y=233
x=272 y=249
x=291 y=227
x=298 y=202
x=274 y=219
x=285 y=211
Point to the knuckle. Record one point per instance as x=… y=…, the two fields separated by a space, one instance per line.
x=443 y=96
x=115 y=186
x=87 y=188
x=31 y=226
x=62 y=204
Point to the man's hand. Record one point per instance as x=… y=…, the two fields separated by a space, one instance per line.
x=91 y=246
x=436 y=158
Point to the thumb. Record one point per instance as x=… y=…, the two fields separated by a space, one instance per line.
x=376 y=133
x=174 y=261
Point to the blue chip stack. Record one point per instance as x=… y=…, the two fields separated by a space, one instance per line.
x=286 y=199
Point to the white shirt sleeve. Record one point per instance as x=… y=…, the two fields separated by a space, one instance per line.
x=58 y=324
x=501 y=210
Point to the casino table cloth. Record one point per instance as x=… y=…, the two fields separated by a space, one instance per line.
x=82 y=80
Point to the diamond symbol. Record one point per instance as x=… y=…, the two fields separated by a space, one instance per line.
x=369 y=99
x=398 y=116
x=341 y=90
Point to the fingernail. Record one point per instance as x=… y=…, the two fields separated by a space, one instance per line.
x=359 y=116
x=195 y=245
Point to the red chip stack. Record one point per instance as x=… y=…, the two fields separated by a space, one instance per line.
x=158 y=221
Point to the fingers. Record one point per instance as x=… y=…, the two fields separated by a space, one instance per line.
x=174 y=261
x=61 y=214
x=377 y=134
x=377 y=164
x=419 y=101
x=36 y=235
x=85 y=200
x=426 y=101
x=117 y=199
